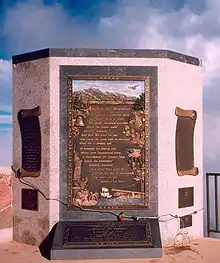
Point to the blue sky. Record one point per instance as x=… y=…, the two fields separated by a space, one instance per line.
x=191 y=27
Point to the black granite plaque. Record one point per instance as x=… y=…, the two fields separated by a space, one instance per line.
x=186 y=197
x=185 y=221
x=107 y=239
x=31 y=141
x=29 y=199
x=107 y=234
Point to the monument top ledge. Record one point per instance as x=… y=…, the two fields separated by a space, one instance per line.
x=121 y=53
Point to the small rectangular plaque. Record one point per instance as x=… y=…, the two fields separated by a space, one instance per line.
x=186 y=197
x=107 y=234
x=29 y=199
x=106 y=239
x=185 y=221
x=31 y=141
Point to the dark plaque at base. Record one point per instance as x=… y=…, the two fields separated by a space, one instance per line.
x=106 y=240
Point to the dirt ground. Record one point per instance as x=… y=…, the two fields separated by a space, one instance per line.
x=5 y=194
x=206 y=250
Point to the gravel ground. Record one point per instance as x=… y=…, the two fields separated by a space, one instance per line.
x=5 y=195
x=205 y=250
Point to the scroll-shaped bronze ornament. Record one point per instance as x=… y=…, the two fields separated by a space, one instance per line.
x=185 y=142
x=31 y=141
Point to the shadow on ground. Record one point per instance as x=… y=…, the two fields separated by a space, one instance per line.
x=46 y=244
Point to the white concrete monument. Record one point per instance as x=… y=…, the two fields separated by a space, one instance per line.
x=107 y=130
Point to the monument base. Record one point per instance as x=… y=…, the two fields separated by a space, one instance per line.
x=106 y=240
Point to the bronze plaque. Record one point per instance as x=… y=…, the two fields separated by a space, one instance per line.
x=186 y=197
x=29 y=199
x=184 y=142
x=185 y=221
x=109 y=143
x=107 y=234
x=31 y=141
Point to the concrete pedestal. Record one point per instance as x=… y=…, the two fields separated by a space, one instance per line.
x=40 y=79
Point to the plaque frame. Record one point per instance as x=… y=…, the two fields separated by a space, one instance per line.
x=183 y=155
x=146 y=80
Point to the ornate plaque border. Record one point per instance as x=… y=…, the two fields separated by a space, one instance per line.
x=191 y=114
x=146 y=80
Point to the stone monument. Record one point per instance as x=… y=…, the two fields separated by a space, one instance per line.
x=103 y=133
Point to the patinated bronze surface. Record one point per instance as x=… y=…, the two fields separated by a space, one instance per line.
x=29 y=199
x=31 y=141
x=108 y=146
x=184 y=142
x=186 y=197
x=107 y=234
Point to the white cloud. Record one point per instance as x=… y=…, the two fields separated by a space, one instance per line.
x=133 y=25
x=5 y=147
x=5 y=119
x=115 y=86
x=186 y=32
x=5 y=85
x=32 y=25
x=4 y=107
x=5 y=70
